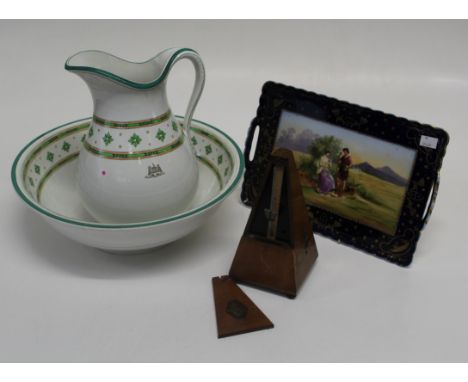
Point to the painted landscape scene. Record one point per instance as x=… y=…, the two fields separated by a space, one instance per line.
x=353 y=175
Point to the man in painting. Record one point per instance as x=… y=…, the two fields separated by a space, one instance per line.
x=326 y=183
x=344 y=163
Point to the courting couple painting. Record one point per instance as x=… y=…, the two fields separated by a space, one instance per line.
x=329 y=184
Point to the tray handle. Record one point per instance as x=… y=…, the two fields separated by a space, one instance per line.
x=248 y=142
x=430 y=207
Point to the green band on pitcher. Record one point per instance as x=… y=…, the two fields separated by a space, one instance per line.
x=137 y=154
x=132 y=124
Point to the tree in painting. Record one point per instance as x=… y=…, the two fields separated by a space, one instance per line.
x=317 y=149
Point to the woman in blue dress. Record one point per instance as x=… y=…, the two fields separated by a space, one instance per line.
x=326 y=181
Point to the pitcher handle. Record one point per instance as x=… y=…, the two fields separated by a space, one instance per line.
x=195 y=58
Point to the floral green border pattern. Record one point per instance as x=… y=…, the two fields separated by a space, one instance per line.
x=84 y=123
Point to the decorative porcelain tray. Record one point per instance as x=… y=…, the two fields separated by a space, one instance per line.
x=44 y=172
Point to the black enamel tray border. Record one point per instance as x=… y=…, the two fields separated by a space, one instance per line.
x=399 y=248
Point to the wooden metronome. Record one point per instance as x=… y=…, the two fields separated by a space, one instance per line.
x=277 y=248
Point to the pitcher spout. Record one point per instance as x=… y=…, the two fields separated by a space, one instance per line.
x=113 y=81
x=138 y=75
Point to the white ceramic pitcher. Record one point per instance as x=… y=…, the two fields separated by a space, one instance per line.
x=137 y=162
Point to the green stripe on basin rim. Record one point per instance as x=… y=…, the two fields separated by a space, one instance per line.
x=80 y=223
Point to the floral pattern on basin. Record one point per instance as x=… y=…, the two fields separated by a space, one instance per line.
x=50 y=154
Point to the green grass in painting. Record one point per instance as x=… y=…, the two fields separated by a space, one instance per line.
x=374 y=203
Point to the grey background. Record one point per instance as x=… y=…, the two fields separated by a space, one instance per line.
x=61 y=301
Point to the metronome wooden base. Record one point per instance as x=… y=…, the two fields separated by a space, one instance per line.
x=277 y=249
x=273 y=266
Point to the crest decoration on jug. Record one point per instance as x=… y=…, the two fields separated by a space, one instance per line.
x=154 y=171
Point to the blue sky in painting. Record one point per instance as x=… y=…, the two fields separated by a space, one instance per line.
x=363 y=147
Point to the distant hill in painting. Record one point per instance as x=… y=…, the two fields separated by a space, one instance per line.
x=384 y=173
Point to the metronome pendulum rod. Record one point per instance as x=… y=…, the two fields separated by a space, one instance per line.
x=272 y=214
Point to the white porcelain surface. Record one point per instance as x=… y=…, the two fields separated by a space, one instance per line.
x=136 y=162
x=44 y=176
x=63 y=302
